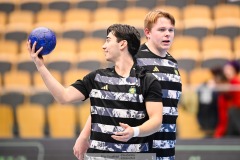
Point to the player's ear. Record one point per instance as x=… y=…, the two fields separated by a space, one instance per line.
x=146 y=32
x=123 y=43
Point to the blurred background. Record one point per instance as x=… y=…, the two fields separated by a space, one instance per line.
x=33 y=126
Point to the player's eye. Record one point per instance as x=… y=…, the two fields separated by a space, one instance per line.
x=162 y=29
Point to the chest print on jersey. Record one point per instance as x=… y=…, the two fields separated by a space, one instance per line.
x=176 y=72
x=132 y=90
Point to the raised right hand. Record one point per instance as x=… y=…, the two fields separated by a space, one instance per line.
x=36 y=57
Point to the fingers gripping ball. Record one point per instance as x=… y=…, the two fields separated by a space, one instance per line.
x=45 y=38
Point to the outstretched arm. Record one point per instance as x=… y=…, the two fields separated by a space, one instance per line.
x=59 y=92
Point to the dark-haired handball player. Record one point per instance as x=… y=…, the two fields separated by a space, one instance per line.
x=126 y=102
x=153 y=56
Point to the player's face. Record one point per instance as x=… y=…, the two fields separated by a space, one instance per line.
x=111 y=48
x=229 y=71
x=161 y=35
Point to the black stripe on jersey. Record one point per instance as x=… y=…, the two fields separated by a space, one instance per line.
x=170 y=102
x=107 y=138
x=162 y=69
x=115 y=88
x=91 y=150
x=110 y=121
x=114 y=80
x=171 y=85
x=164 y=152
x=100 y=136
x=169 y=119
x=112 y=104
x=165 y=135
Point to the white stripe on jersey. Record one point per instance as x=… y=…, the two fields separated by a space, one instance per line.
x=164 y=144
x=173 y=94
x=119 y=113
x=117 y=81
x=167 y=77
x=172 y=111
x=119 y=96
x=109 y=129
x=156 y=61
x=113 y=147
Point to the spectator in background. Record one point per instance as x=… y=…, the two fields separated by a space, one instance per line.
x=231 y=71
x=208 y=116
x=228 y=102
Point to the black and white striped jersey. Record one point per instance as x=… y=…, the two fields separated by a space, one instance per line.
x=165 y=69
x=117 y=99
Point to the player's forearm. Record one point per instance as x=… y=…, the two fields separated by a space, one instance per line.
x=151 y=126
x=56 y=89
x=86 y=131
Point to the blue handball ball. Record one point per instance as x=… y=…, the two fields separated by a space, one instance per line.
x=45 y=38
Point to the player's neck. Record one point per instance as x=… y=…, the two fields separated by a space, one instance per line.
x=123 y=66
x=158 y=52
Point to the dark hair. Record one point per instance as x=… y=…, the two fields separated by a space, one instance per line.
x=217 y=72
x=235 y=64
x=128 y=33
